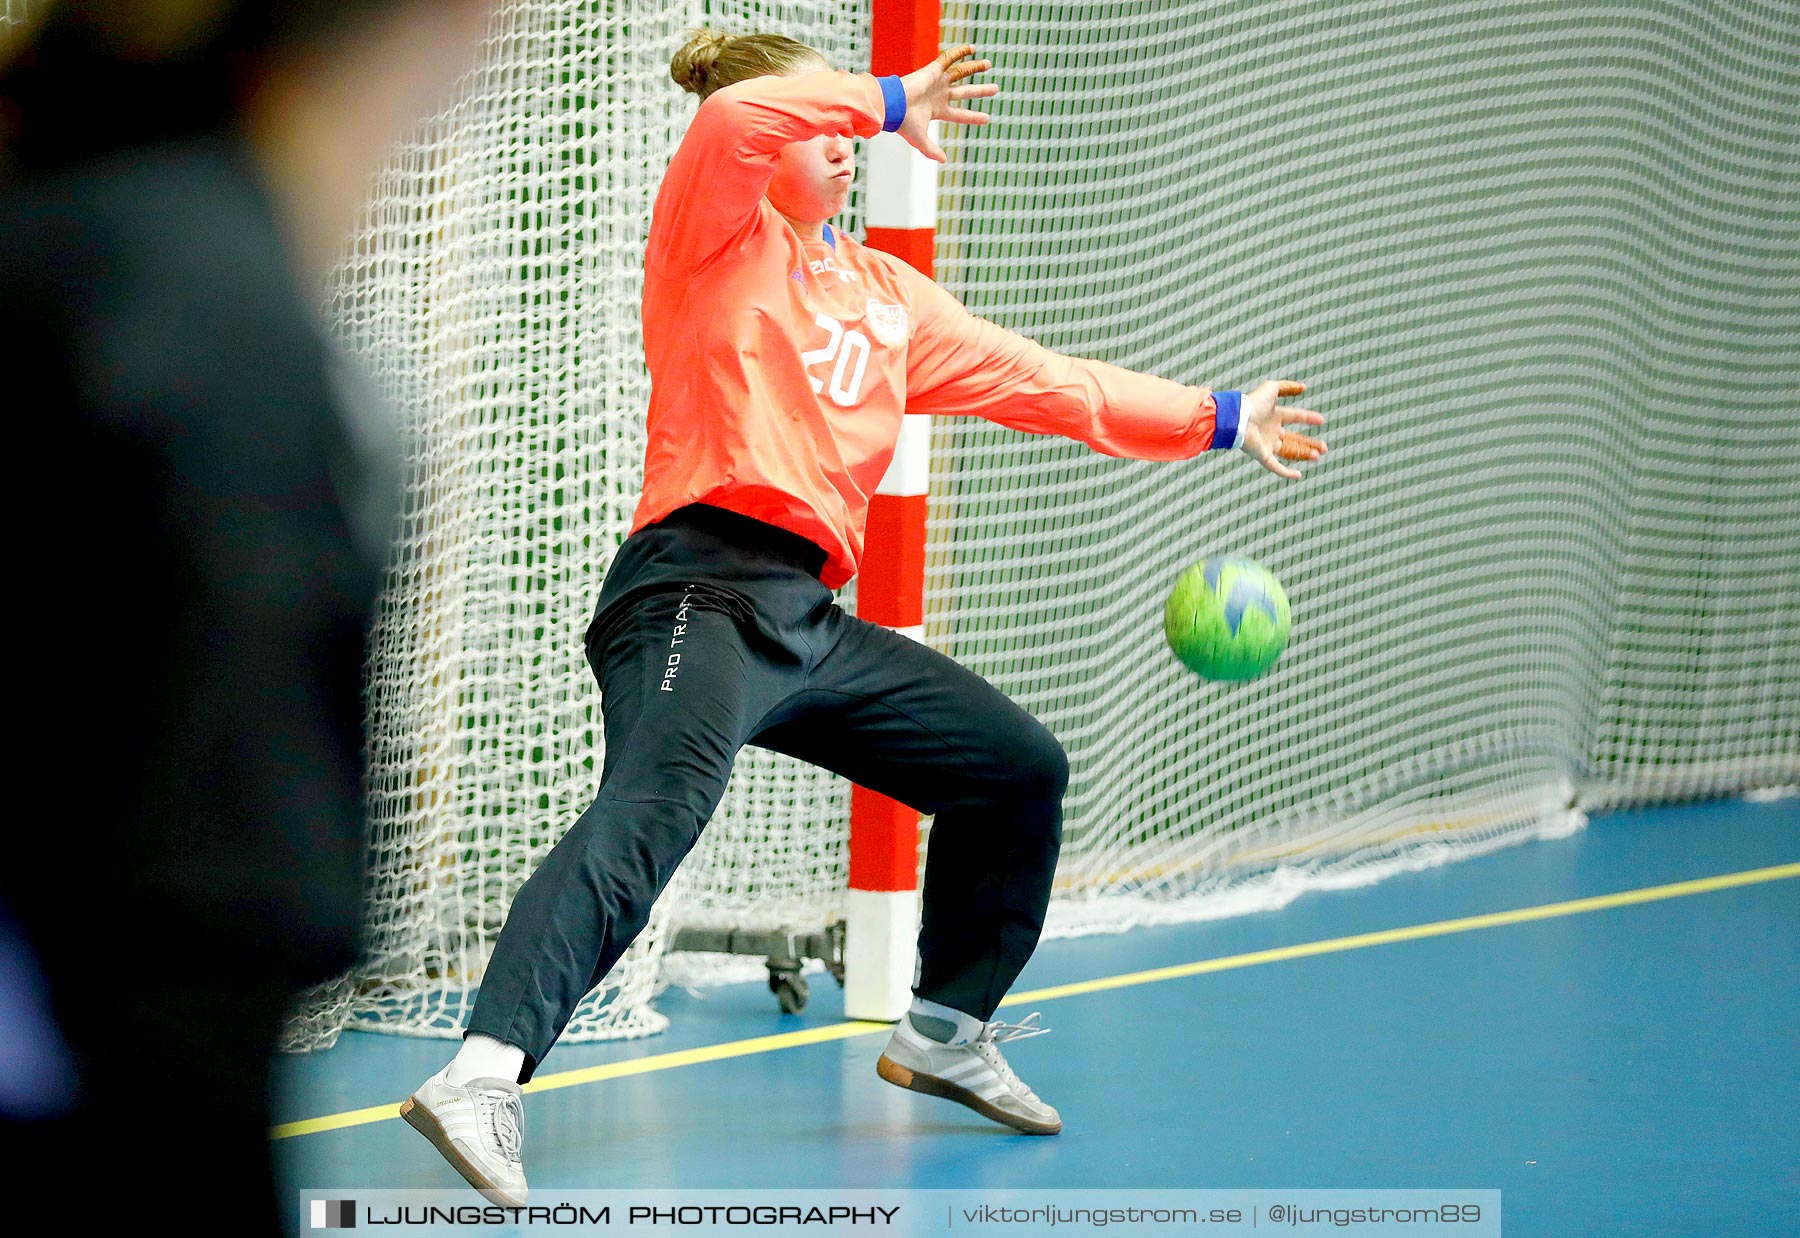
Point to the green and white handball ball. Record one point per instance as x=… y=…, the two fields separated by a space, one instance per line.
x=1227 y=618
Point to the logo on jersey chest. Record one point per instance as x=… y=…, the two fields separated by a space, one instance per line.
x=890 y=323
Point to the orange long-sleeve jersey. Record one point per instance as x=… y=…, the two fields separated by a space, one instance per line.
x=781 y=366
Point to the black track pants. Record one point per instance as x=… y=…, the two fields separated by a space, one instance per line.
x=749 y=647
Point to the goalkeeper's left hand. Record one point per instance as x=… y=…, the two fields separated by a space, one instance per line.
x=1266 y=436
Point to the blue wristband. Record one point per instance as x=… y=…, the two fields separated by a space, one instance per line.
x=1228 y=432
x=894 y=95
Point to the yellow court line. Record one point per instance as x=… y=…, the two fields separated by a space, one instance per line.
x=1603 y=902
x=844 y=1031
x=610 y=1070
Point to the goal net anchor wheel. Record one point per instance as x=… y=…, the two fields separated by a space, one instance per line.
x=786 y=952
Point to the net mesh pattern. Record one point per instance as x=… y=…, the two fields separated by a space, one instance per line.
x=1535 y=260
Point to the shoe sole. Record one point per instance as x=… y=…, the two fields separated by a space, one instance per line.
x=419 y=1118
x=913 y=1081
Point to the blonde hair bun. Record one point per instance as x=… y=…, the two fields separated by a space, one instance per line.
x=711 y=61
x=698 y=60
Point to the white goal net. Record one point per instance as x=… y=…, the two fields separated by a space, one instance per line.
x=1536 y=261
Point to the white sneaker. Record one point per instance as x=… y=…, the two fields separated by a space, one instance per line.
x=970 y=1073
x=479 y=1129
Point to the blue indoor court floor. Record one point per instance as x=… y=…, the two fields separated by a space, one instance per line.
x=1631 y=1067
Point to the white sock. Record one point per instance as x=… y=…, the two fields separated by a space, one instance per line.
x=943 y=1024
x=485 y=1057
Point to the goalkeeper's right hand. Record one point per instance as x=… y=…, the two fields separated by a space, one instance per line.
x=932 y=93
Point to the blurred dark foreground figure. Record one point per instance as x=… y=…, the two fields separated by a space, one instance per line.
x=202 y=500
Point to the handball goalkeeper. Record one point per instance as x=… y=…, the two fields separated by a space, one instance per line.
x=783 y=356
